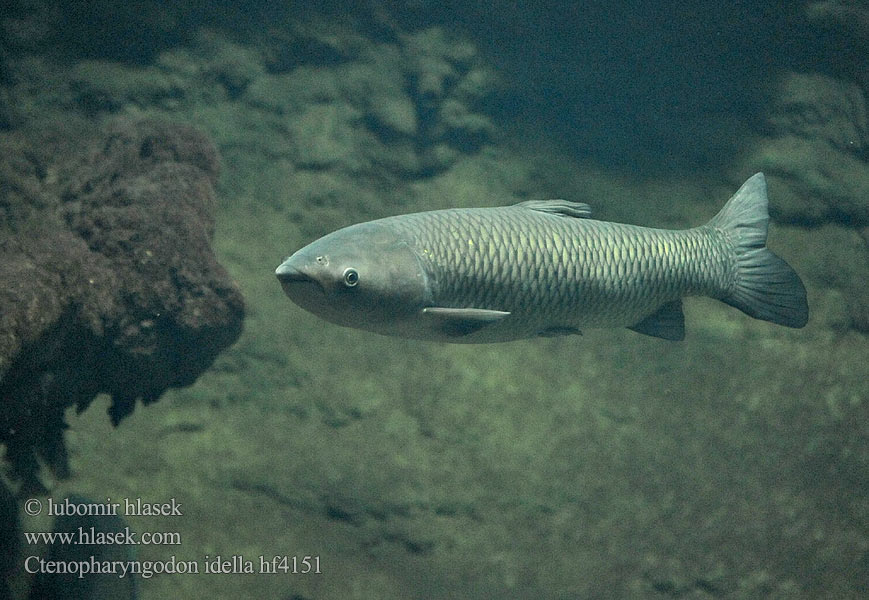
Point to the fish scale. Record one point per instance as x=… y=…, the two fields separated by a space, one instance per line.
x=539 y=266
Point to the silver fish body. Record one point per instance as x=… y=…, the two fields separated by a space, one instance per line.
x=540 y=268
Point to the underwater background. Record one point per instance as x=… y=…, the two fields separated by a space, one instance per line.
x=732 y=465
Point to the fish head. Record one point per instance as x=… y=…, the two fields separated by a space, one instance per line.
x=364 y=276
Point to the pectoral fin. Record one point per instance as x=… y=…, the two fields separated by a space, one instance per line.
x=457 y=322
x=668 y=322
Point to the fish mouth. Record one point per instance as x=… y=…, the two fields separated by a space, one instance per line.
x=287 y=273
x=293 y=280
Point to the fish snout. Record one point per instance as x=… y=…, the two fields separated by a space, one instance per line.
x=297 y=282
x=288 y=273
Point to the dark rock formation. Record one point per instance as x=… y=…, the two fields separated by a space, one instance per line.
x=108 y=283
x=10 y=530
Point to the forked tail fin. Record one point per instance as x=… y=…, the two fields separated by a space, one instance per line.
x=766 y=286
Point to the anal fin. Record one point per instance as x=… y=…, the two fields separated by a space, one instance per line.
x=668 y=322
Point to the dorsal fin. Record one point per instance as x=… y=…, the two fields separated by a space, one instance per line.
x=564 y=208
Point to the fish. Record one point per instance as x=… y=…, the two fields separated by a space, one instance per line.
x=541 y=268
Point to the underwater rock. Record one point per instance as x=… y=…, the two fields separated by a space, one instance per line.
x=817 y=148
x=851 y=15
x=820 y=107
x=229 y=65
x=449 y=81
x=102 y=86
x=10 y=533
x=323 y=137
x=409 y=106
x=395 y=114
x=307 y=43
x=109 y=281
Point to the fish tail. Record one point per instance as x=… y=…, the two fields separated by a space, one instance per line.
x=766 y=287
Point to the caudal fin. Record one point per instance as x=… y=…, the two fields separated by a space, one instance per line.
x=766 y=286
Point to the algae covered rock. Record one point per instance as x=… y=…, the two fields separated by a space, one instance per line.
x=408 y=106
x=110 y=284
x=851 y=15
x=815 y=150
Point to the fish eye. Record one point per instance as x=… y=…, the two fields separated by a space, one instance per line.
x=351 y=277
x=321 y=260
